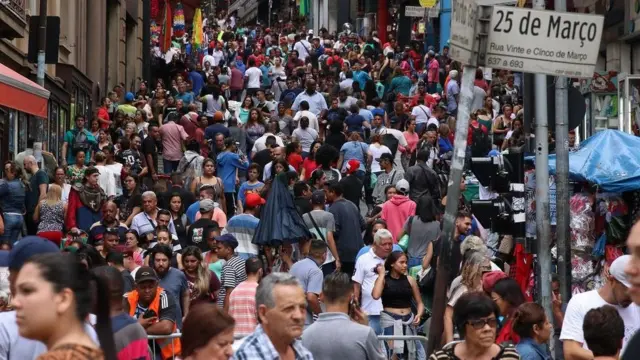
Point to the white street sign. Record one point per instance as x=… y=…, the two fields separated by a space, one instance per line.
x=544 y=42
x=418 y=11
x=463 y=34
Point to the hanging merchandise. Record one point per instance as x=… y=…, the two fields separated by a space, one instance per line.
x=155 y=8
x=304 y=7
x=198 y=35
x=178 y=21
x=166 y=27
x=581 y=223
x=155 y=33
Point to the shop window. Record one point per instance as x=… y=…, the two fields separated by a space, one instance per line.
x=54 y=119
x=22 y=132
x=38 y=130
x=12 y=139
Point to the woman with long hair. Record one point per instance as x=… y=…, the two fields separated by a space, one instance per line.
x=534 y=329
x=53 y=300
x=130 y=202
x=309 y=164
x=12 y=194
x=502 y=125
x=103 y=140
x=255 y=127
x=470 y=280
x=423 y=230
x=409 y=153
x=50 y=214
x=207 y=334
x=243 y=111
x=60 y=179
x=506 y=293
x=163 y=237
x=95 y=127
x=398 y=291
x=293 y=152
x=180 y=220
x=326 y=156
x=208 y=178
x=203 y=283
x=134 y=244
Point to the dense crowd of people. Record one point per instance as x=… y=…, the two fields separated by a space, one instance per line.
x=145 y=227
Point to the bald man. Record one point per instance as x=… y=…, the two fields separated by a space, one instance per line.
x=36 y=192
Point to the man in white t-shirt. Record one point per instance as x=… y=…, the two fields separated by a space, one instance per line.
x=253 y=76
x=366 y=274
x=302 y=46
x=421 y=113
x=615 y=292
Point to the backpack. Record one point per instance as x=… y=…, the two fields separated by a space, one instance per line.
x=80 y=141
x=391 y=142
x=480 y=142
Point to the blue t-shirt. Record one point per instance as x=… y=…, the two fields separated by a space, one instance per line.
x=227 y=163
x=354 y=123
x=366 y=249
x=247 y=187
x=452 y=90
x=354 y=150
x=187 y=98
x=192 y=211
x=197 y=82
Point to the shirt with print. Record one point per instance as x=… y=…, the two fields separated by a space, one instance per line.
x=197 y=232
x=233 y=273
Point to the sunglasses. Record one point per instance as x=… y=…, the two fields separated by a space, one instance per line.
x=480 y=323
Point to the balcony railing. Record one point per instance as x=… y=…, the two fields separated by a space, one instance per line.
x=17 y=6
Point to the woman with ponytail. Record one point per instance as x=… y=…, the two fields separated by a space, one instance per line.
x=53 y=299
x=534 y=330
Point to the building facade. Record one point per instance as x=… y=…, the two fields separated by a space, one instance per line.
x=100 y=46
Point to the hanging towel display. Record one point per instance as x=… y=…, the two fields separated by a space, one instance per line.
x=178 y=21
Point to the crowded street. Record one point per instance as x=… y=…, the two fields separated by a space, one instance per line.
x=319 y=179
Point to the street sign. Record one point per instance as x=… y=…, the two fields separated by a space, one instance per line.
x=544 y=42
x=418 y=11
x=463 y=35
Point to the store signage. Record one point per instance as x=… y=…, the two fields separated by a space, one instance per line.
x=417 y=11
x=543 y=42
x=496 y=2
x=463 y=35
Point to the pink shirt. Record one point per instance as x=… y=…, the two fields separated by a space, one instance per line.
x=172 y=137
x=242 y=307
x=433 y=72
x=412 y=140
x=218 y=216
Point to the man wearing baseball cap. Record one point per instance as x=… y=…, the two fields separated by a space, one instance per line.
x=233 y=271
x=12 y=345
x=155 y=309
x=389 y=176
x=243 y=226
x=615 y=292
x=197 y=230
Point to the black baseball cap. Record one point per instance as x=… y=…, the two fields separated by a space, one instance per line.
x=24 y=249
x=385 y=156
x=146 y=273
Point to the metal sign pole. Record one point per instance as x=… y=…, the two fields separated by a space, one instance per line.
x=467 y=48
x=543 y=223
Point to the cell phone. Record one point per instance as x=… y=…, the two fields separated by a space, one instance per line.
x=149 y=314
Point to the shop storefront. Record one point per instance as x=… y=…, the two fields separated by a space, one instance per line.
x=24 y=111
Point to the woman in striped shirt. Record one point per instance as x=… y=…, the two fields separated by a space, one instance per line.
x=475 y=316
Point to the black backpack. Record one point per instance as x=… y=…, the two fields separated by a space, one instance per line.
x=80 y=141
x=391 y=142
x=480 y=142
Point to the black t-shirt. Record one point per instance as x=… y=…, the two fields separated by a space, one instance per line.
x=632 y=351
x=352 y=189
x=149 y=148
x=303 y=205
x=196 y=236
x=262 y=158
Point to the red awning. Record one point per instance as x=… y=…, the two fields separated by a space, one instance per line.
x=19 y=93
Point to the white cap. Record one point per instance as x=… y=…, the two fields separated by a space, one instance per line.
x=617 y=269
x=403 y=186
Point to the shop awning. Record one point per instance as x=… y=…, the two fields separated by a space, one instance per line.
x=19 y=93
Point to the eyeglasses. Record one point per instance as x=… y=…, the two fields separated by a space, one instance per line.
x=480 y=323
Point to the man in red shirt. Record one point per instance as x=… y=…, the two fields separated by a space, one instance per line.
x=103 y=113
x=256 y=56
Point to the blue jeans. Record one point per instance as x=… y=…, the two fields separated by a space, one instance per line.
x=170 y=166
x=420 y=352
x=374 y=323
x=12 y=228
